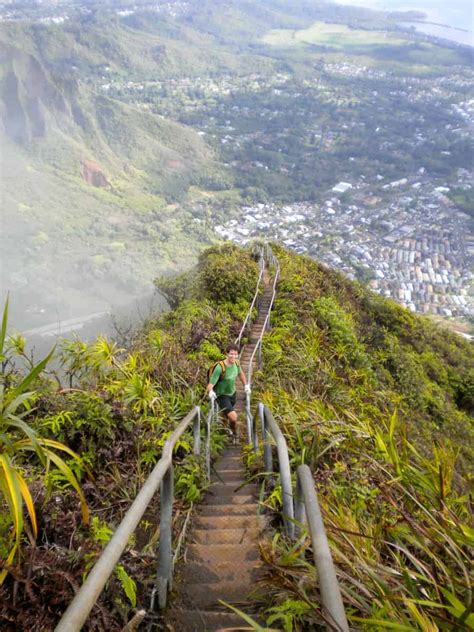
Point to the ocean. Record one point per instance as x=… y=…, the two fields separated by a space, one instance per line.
x=452 y=21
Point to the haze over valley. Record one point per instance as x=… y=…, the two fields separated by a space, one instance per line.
x=134 y=135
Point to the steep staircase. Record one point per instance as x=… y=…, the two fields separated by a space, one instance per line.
x=221 y=560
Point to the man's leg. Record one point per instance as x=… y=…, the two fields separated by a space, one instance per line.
x=232 y=417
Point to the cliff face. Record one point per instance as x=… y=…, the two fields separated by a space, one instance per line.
x=27 y=93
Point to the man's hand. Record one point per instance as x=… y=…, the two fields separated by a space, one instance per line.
x=212 y=396
x=247 y=389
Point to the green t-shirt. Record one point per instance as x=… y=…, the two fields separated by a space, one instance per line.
x=226 y=386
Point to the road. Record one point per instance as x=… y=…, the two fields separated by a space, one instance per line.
x=62 y=327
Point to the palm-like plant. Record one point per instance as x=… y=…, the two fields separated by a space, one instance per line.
x=18 y=438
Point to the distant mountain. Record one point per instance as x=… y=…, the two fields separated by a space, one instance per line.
x=88 y=182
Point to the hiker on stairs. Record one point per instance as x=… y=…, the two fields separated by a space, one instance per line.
x=221 y=387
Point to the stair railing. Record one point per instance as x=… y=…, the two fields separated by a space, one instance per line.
x=273 y=262
x=266 y=324
x=307 y=506
x=162 y=475
x=248 y=318
x=270 y=429
x=303 y=508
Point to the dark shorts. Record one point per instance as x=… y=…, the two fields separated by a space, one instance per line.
x=226 y=403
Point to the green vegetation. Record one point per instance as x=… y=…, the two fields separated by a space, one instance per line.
x=376 y=400
x=17 y=440
x=110 y=410
x=338 y=36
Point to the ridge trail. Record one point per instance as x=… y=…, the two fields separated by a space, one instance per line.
x=222 y=560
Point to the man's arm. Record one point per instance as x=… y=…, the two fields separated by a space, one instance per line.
x=242 y=377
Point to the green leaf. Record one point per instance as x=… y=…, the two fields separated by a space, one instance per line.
x=458 y=609
x=254 y=625
x=12 y=492
x=32 y=375
x=128 y=584
x=3 y=330
x=62 y=467
x=380 y=624
x=30 y=433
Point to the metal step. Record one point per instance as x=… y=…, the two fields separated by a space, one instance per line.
x=214 y=523
x=229 y=474
x=225 y=536
x=230 y=488
x=207 y=595
x=230 y=500
x=218 y=553
x=228 y=510
x=199 y=620
x=234 y=571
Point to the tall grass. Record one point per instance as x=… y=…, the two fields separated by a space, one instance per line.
x=355 y=400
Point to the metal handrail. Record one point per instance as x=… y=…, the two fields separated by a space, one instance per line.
x=266 y=324
x=306 y=502
x=162 y=474
x=248 y=316
x=270 y=427
x=295 y=510
x=305 y=505
x=267 y=254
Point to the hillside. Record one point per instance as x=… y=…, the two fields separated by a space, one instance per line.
x=128 y=135
x=89 y=184
x=376 y=400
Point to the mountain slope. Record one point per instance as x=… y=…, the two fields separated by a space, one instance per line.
x=376 y=400
x=88 y=184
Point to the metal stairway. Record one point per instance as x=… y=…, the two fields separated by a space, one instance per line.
x=221 y=563
x=222 y=557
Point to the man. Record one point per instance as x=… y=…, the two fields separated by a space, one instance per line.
x=221 y=385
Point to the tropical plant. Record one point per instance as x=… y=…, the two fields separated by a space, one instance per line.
x=17 y=439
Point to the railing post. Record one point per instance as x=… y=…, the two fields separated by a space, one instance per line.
x=254 y=432
x=210 y=415
x=267 y=448
x=328 y=585
x=197 y=431
x=300 y=512
x=165 y=553
x=248 y=416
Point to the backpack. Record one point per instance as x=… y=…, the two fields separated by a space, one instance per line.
x=223 y=366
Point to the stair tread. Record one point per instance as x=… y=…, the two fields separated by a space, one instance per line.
x=225 y=535
x=229 y=510
x=222 y=555
x=241 y=521
x=199 y=620
x=244 y=574
x=210 y=594
x=230 y=500
x=215 y=553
